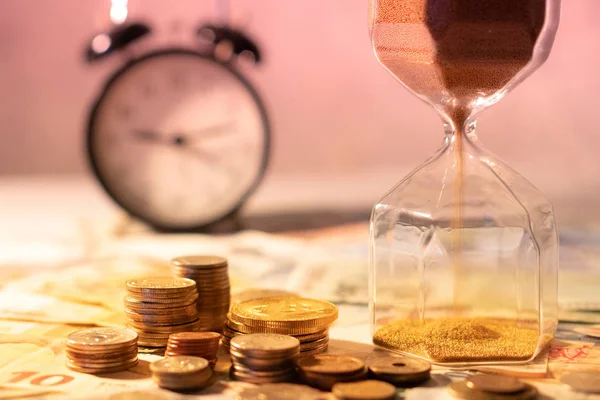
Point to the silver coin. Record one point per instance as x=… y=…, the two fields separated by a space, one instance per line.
x=101 y=337
x=179 y=365
x=265 y=344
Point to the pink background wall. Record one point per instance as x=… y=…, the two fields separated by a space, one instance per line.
x=340 y=122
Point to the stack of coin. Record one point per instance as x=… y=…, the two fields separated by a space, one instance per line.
x=400 y=371
x=325 y=370
x=482 y=387
x=181 y=372
x=102 y=350
x=371 y=390
x=307 y=320
x=212 y=282
x=157 y=307
x=264 y=358
x=198 y=344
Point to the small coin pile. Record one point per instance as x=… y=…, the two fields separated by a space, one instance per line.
x=492 y=387
x=583 y=381
x=197 y=344
x=181 y=372
x=364 y=390
x=102 y=350
x=157 y=307
x=263 y=358
x=322 y=371
x=212 y=283
x=308 y=320
x=400 y=371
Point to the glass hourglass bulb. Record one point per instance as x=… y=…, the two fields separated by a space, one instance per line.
x=463 y=251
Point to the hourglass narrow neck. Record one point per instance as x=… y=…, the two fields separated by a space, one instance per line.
x=458 y=124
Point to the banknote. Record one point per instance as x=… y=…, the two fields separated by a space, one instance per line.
x=33 y=365
x=26 y=306
x=91 y=290
x=97 y=281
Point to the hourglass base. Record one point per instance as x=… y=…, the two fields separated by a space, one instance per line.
x=460 y=341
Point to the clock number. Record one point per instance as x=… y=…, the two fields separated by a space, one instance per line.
x=42 y=380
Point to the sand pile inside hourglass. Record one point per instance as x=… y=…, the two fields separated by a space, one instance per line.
x=457 y=54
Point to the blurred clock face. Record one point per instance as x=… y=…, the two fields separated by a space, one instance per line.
x=178 y=140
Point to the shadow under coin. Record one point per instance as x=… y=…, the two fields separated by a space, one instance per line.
x=363 y=351
x=437 y=380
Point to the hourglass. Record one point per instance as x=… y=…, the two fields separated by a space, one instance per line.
x=463 y=251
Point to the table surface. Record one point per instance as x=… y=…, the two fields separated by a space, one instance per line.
x=49 y=227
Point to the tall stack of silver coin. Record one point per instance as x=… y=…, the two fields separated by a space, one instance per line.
x=157 y=307
x=263 y=358
x=212 y=283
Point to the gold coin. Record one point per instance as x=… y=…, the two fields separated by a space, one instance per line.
x=160 y=320
x=195 y=337
x=101 y=338
x=254 y=294
x=179 y=365
x=294 y=331
x=331 y=364
x=400 y=370
x=183 y=298
x=585 y=381
x=200 y=261
x=284 y=312
x=200 y=276
x=262 y=345
x=495 y=383
x=151 y=328
x=165 y=304
x=307 y=340
x=164 y=311
x=161 y=284
x=364 y=390
x=173 y=293
x=460 y=390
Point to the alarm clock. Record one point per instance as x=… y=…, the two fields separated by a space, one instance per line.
x=178 y=137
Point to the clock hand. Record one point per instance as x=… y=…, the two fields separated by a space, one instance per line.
x=215 y=159
x=205 y=155
x=146 y=135
x=214 y=130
